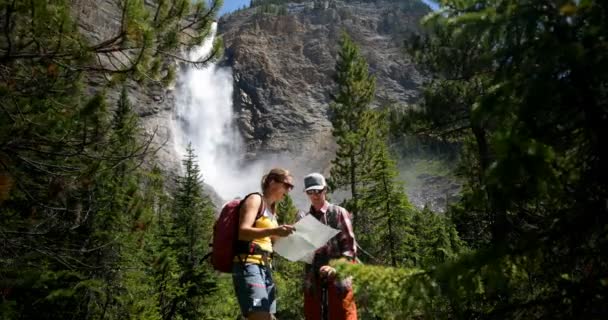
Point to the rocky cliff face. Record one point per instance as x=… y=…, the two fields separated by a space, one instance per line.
x=283 y=67
x=99 y=20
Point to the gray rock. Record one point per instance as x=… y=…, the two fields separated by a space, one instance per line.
x=99 y=20
x=283 y=68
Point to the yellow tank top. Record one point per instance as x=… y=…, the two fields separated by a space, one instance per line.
x=267 y=220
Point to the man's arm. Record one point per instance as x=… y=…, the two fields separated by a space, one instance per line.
x=348 y=244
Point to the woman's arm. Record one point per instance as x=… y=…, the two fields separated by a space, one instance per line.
x=248 y=213
x=299 y=216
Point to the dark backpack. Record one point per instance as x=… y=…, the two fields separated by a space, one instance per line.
x=225 y=234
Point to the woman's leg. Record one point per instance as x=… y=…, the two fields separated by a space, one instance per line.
x=252 y=291
x=269 y=303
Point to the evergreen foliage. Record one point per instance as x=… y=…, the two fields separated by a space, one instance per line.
x=353 y=123
x=261 y=3
x=386 y=224
x=389 y=293
x=187 y=241
x=385 y=203
x=288 y=275
x=527 y=100
x=88 y=233
x=287 y=211
x=404 y=4
x=271 y=9
x=77 y=210
x=221 y=304
x=83 y=259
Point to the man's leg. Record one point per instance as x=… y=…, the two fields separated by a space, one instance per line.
x=312 y=305
x=342 y=304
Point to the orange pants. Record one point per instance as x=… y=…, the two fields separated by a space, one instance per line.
x=341 y=303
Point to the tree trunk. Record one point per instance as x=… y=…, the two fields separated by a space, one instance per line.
x=353 y=189
x=499 y=223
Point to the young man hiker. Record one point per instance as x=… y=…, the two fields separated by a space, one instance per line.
x=326 y=297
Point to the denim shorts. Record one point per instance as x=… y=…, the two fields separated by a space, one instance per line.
x=254 y=287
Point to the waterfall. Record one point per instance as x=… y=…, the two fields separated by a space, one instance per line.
x=205 y=118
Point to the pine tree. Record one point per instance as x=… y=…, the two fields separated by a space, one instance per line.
x=287 y=274
x=287 y=210
x=384 y=201
x=386 y=223
x=353 y=123
x=69 y=189
x=192 y=220
x=124 y=220
x=537 y=87
x=448 y=111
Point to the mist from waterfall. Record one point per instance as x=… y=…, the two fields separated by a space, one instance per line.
x=205 y=118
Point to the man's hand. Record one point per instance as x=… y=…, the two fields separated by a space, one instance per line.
x=284 y=230
x=327 y=271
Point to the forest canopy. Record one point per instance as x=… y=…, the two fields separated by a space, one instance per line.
x=92 y=229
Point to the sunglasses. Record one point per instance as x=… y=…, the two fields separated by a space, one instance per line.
x=287 y=185
x=311 y=192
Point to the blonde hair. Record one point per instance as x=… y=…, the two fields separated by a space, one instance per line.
x=278 y=175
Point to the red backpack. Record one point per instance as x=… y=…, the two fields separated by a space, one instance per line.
x=225 y=234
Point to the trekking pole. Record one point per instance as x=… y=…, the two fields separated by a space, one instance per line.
x=324 y=300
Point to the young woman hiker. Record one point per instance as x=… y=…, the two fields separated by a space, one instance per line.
x=251 y=273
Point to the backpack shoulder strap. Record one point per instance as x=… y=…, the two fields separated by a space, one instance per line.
x=242 y=246
x=262 y=205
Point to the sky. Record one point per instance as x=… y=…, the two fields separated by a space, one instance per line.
x=432 y=4
x=231 y=5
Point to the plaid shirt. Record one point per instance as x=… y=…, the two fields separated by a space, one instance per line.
x=342 y=245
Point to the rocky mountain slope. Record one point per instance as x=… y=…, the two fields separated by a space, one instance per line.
x=283 y=66
x=100 y=20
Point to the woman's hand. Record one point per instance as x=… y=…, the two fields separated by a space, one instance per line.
x=327 y=271
x=284 y=230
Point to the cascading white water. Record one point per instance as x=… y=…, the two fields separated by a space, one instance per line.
x=205 y=119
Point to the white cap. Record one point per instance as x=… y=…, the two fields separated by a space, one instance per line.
x=314 y=181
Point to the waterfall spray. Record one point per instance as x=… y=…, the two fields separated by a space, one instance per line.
x=205 y=118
